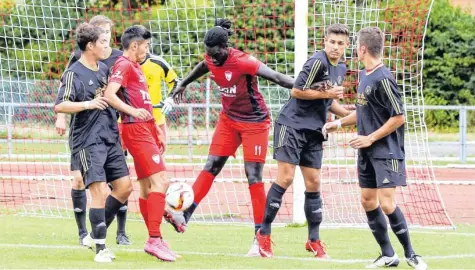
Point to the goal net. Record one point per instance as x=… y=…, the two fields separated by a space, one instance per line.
x=37 y=37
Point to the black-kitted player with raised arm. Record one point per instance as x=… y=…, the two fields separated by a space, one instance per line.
x=298 y=138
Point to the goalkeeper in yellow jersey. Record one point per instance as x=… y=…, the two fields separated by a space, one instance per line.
x=157 y=71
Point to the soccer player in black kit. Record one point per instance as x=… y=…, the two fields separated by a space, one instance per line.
x=379 y=118
x=78 y=192
x=298 y=136
x=94 y=138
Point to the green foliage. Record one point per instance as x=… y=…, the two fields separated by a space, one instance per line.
x=42 y=35
x=449 y=64
x=36 y=39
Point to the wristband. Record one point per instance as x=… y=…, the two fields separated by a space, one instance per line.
x=338 y=123
x=86 y=105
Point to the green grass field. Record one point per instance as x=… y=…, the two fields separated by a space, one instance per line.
x=27 y=242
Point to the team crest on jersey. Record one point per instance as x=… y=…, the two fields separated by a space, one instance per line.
x=100 y=92
x=228 y=74
x=339 y=80
x=156 y=158
x=117 y=75
x=368 y=90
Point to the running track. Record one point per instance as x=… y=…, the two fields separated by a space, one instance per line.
x=22 y=187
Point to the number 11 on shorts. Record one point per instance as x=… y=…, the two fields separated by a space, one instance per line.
x=257 y=150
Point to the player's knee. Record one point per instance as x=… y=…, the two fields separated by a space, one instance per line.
x=126 y=191
x=254 y=179
x=312 y=184
x=253 y=172
x=369 y=203
x=388 y=206
x=99 y=192
x=285 y=178
x=214 y=164
x=78 y=182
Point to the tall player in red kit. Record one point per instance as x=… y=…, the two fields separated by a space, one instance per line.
x=244 y=119
x=127 y=92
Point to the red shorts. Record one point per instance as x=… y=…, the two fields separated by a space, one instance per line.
x=229 y=134
x=121 y=127
x=143 y=144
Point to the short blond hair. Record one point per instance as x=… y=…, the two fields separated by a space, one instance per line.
x=100 y=20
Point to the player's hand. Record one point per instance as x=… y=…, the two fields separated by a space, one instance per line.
x=60 y=125
x=99 y=103
x=178 y=94
x=141 y=114
x=336 y=92
x=330 y=127
x=168 y=105
x=361 y=142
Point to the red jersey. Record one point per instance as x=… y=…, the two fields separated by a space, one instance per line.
x=134 y=91
x=237 y=80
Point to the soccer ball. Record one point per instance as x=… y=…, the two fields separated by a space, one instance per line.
x=179 y=197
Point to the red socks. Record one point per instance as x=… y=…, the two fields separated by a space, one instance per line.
x=202 y=185
x=156 y=208
x=258 y=199
x=144 y=210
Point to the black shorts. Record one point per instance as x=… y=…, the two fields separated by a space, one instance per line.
x=75 y=165
x=300 y=147
x=381 y=173
x=101 y=163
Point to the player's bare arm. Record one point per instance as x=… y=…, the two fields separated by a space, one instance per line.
x=60 y=123
x=337 y=109
x=311 y=94
x=349 y=120
x=389 y=127
x=199 y=70
x=99 y=103
x=118 y=104
x=275 y=77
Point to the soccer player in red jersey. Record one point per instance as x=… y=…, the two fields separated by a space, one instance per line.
x=244 y=119
x=127 y=92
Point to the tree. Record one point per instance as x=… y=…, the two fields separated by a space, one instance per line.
x=449 y=63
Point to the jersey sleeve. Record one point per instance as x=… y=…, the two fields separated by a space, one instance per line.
x=73 y=58
x=312 y=71
x=249 y=64
x=171 y=79
x=390 y=97
x=169 y=75
x=120 y=72
x=68 y=88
